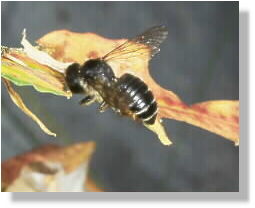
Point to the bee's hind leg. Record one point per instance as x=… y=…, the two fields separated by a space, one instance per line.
x=103 y=106
x=87 y=100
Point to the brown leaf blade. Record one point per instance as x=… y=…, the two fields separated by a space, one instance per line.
x=50 y=168
x=220 y=117
x=19 y=102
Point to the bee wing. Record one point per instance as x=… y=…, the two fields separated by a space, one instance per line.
x=143 y=46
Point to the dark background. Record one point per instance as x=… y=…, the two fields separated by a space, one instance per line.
x=199 y=62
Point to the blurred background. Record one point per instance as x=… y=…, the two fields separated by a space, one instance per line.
x=199 y=62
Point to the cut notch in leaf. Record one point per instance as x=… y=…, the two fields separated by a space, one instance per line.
x=78 y=47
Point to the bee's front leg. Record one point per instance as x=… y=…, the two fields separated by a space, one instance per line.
x=103 y=106
x=87 y=100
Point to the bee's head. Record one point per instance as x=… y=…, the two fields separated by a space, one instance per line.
x=97 y=72
x=73 y=79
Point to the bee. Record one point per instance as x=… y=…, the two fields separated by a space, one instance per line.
x=127 y=95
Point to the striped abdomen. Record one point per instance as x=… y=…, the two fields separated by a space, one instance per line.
x=135 y=97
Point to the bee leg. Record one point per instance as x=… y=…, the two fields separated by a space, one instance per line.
x=87 y=100
x=103 y=106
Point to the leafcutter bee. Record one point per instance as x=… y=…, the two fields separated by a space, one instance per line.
x=128 y=95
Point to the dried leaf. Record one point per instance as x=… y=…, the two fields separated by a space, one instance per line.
x=19 y=102
x=220 y=117
x=50 y=168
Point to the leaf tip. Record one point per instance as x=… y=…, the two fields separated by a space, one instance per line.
x=24 y=33
x=159 y=129
x=53 y=134
x=167 y=142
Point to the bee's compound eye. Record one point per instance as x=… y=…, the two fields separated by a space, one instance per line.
x=72 y=70
x=73 y=79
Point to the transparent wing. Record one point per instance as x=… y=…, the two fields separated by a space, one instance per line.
x=145 y=45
